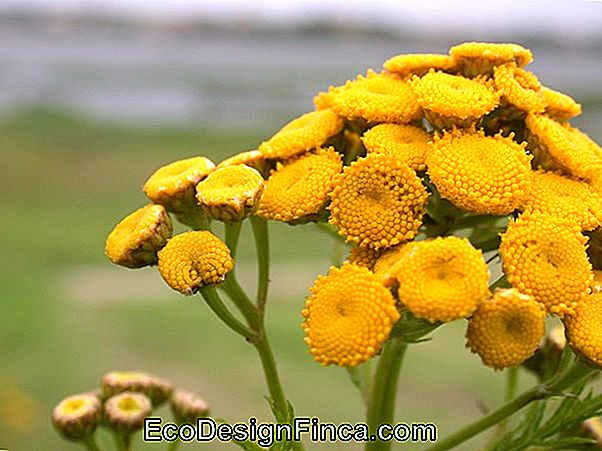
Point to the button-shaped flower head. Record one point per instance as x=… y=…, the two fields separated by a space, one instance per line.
x=193 y=259
x=298 y=190
x=348 y=316
x=519 y=88
x=506 y=329
x=174 y=185
x=418 y=63
x=125 y=412
x=442 y=279
x=135 y=241
x=544 y=256
x=156 y=388
x=559 y=105
x=476 y=58
x=378 y=201
x=230 y=193
x=584 y=328
x=302 y=134
x=76 y=417
x=478 y=173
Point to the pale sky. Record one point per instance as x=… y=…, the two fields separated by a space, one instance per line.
x=570 y=17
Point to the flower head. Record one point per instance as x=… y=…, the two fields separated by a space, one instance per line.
x=553 y=193
x=156 y=388
x=375 y=98
x=478 y=173
x=442 y=279
x=348 y=316
x=365 y=257
x=559 y=146
x=519 y=87
x=173 y=185
x=126 y=411
x=298 y=191
x=452 y=100
x=230 y=193
x=506 y=328
x=387 y=265
x=378 y=201
x=418 y=63
x=584 y=328
x=135 y=241
x=544 y=256
x=76 y=417
x=193 y=259
x=187 y=407
x=559 y=105
x=302 y=134
x=408 y=143
x=476 y=58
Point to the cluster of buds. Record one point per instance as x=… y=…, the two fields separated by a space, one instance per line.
x=121 y=403
x=430 y=169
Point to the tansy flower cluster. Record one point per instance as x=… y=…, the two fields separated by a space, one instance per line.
x=438 y=171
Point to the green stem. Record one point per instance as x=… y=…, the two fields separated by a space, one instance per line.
x=262 y=245
x=90 y=444
x=511 y=388
x=381 y=406
x=195 y=218
x=173 y=446
x=218 y=307
x=232 y=232
x=120 y=442
x=556 y=386
x=242 y=301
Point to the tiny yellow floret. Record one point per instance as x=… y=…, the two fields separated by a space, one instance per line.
x=478 y=173
x=348 y=316
x=298 y=190
x=506 y=329
x=408 y=143
x=135 y=241
x=545 y=256
x=378 y=201
x=230 y=193
x=443 y=279
x=374 y=98
x=191 y=260
x=302 y=134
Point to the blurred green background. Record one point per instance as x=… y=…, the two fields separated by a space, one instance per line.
x=92 y=105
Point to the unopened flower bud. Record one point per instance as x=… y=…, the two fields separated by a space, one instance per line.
x=231 y=193
x=76 y=417
x=126 y=411
x=173 y=185
x=156 y=388
x=187 y=407
x=135 y=241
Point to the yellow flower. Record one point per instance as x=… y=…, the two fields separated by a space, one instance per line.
x=378 y=201
x=506 y=329
x=475 y=58
x=561 y=196
x=126 y=411
x=442 y=279
x=252 y=158
x=375 y=98
x=452 y=100
x=135 y=241
x=173 y=185
x=230 y=193
x=348 y=316
x=193 y=259
x=408 y=143
x=584 y=328
x=302 y=134
x=559 y=146
x=519 y=87
x=559 y=105
x=478 y=173
x=418 y=63
x=298 y=191
x=187 y=407
x=156 y=388
x=77 y=417
x=388 y=264
x=544 y=256
x=365 y=257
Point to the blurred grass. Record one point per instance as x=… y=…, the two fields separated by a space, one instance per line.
x=66 y=181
